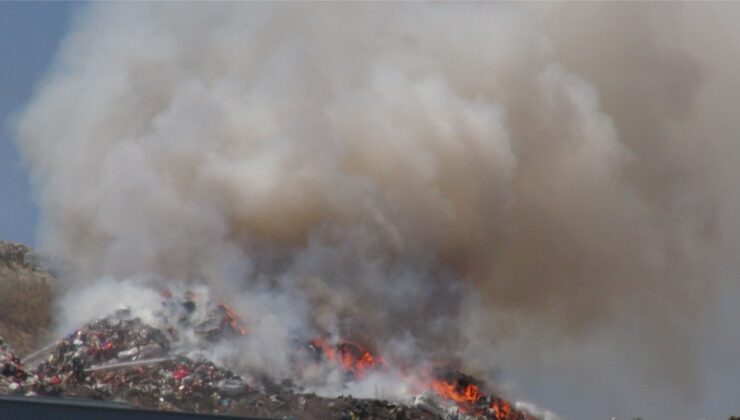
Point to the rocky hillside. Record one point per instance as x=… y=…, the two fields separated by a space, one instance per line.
x=25 y=297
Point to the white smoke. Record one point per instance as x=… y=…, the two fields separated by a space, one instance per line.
x=511 y=186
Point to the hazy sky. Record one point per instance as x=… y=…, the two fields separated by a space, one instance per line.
x=30 y=33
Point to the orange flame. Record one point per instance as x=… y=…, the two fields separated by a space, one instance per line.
x=501 y=409
x=460 y=389
x=454 y=392
x=471 y=400
x=351 y=356
x=234 y=320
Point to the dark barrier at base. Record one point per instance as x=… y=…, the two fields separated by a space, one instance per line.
x=41 y=408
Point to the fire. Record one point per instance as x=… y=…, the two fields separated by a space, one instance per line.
x=468 y=394
x=232 y=319
x=353 y=357
x=501 y=409
x=451 y=385
x=469 y=399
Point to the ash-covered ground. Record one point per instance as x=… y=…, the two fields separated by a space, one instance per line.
x=166 y=366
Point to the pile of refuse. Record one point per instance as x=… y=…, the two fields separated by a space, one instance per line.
x=125 y=359
x=128 y=361
x=122 y=359
x=15 y=378
x=155 y=364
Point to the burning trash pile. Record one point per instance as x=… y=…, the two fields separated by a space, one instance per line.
x=449 y=394
x=157 y=365
x=466 y=392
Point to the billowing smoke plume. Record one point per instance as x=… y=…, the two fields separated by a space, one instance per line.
x=508 y=186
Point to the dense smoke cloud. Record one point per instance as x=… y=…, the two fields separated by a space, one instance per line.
x=463 y=181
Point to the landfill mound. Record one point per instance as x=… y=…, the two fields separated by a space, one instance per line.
x=123 y=359
x=163 y=363
x=128 y=361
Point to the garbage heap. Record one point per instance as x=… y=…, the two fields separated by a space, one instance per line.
x=14 y=376
x=126 y=360
x=156 y=365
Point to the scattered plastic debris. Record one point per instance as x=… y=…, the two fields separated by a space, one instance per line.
x=122 y=358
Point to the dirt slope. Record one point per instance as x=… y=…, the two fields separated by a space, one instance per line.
x=25 y=297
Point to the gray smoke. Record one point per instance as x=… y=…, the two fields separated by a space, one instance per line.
x=550 y=190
